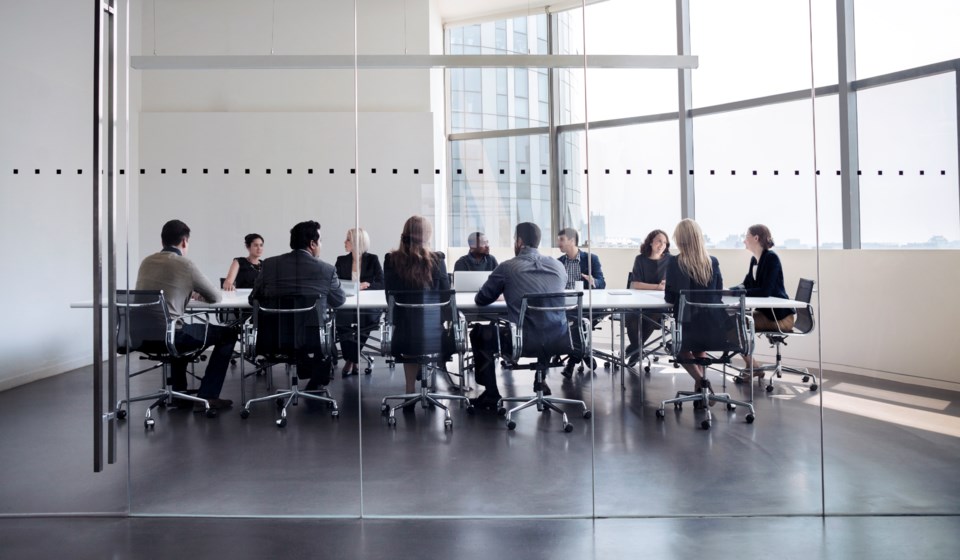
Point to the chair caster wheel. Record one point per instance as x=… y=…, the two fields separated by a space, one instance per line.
x=660 y=413
x=335 y=413
x=149 y=423
x=606 y=365
x=210 y=413
x=750 y=418
x=244 y=414
x=769 y=388
x=281 y=422
x=646 y=369
x=805 y=378
x=813 y=387
x=587 y=414
x=470 y=410
x=121 y=414
x=501 y=411
x=676 y=365
x=568 y=428
x=731 y=406
x=511 y=425
x=367 y=370
x=705 y=424
x=391 y=421
x=678 y=406
x=448 y=423
x=738 y=380
x=656 y=358
x=384 y=408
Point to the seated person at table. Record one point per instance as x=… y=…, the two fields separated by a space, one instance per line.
x=171 y=271
x=301 y=273
x=581 y=271
x=765 y=281
x=413 y=266
x=364 y=268
x=479 y=257
x=692 y=269
x=244 y=270
x=528 y=273
x=649 y=271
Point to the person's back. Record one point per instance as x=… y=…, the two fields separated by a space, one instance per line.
x=527 y=273
x=178 y=277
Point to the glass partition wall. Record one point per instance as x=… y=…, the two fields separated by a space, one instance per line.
x=743 y=138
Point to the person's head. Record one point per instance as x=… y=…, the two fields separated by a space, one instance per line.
x=175 y=234
x=357 y=240
x=306 y=236
x=567 y=240
x=656 y=244
x=527 y=235
x=694 y=258
x=758 y=238
x=478 y=243
x=417 y=232
x=254 y=243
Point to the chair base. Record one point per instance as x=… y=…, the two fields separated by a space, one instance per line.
x=705 y=396
x=777 y=369
x=542 y=402
x=285 y=397
x=425 y=398
x=162 y=397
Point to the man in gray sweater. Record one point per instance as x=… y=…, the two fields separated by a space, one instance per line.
x=171 y=271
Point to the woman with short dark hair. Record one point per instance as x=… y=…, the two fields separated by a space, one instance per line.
x=244 y=270
x=766 y=280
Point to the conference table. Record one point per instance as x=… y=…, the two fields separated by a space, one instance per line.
x=600 y=303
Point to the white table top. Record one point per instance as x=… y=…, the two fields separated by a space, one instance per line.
x=607 y=300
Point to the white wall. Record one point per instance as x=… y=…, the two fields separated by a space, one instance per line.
x=46 y=107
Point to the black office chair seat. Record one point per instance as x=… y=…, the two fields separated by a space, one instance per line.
x=532 y=338
x=704 y=322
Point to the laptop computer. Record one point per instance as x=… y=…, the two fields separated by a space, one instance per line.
x=469 y=280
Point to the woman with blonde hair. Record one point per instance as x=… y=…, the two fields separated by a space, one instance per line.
x=363 y=268
x=413 y=266
x=692 y=269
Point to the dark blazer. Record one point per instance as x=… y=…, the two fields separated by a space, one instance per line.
x=767 y=281
x=298 y=273
x=585 y=267
x=370 y=270
x=677 y=280
x=392 y=280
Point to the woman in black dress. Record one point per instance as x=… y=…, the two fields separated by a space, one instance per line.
x=413 y=266
x=363 y=268
x=649 y=271
x=244 y=270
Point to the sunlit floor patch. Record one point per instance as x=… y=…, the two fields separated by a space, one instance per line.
x=893 y=413
x=892 y=396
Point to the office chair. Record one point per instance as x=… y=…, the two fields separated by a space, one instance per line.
x=144 y=325
x=539 y=334
x=703 y=322
x=287 y=331
x=803 y=324
x=423 y=327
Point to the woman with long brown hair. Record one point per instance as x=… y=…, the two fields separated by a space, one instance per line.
x=413 y=266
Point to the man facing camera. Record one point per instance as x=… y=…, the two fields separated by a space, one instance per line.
x=582 y=269
x=171 y=271
x=479 y=257
x=301 y=273
x=528 y=273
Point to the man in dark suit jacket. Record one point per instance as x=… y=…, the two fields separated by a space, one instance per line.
x=301 y=273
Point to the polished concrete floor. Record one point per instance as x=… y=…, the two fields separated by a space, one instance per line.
x=886 y=449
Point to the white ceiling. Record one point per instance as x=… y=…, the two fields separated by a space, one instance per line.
x=453 y=10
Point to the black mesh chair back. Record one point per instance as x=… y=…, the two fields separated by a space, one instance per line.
x=143 y=323
x=422 y=325
x=804 y=320
x=630 y=280
x=287 y=325
x=706 y=323
x=551 y=324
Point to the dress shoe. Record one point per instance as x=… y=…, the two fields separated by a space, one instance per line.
x=568 y=369
x=216 y=404
x=486 y=401
x=542 y=385
x=349 y=369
